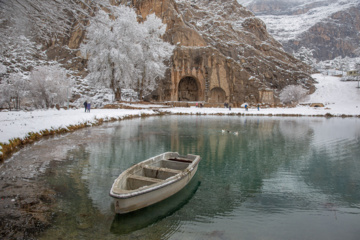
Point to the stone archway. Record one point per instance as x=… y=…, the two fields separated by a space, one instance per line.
x=217 y=95
x=188 y=89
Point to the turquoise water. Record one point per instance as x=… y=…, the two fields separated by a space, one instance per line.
x=279 y=178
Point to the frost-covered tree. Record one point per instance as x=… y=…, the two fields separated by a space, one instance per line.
x=293 y=94
x=5 y=95
x=123 y=53
x=306 y=55
x=48 y=86
x=13 y=90
x=155 y=53
x=18 y=87
x=113 y=49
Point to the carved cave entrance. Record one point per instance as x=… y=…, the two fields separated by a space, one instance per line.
x=188 y=89
x=217 y=95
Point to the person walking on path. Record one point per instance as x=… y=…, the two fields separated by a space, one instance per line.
x=258 y=107
x=88 y=107
x=85 y=105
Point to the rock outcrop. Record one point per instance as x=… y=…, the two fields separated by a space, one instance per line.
x=223 y=53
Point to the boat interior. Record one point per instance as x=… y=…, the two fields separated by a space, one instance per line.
x=156 y=171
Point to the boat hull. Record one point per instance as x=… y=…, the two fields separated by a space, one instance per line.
x=131 y=200
x=140 y=201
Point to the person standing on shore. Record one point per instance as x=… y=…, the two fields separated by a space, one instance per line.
x=85 y=105
x=88 y=107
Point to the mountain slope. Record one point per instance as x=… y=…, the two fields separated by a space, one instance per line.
x=223 y=53
x=330 y=27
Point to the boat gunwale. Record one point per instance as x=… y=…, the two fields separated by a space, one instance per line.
x=166 y=182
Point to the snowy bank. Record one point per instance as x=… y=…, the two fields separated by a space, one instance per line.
x=298 y=111
x=19 y=124
x=340 y=99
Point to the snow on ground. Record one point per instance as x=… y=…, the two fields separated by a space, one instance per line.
x=340 y=98
x=18 y=124
x=337 y=95
x=142 y=106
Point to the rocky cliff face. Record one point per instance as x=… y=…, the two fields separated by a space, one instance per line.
x=330 y=27
x=223 y=53
x=338 y=35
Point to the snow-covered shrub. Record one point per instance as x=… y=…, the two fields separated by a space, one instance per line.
x=293 y=94
x=129 y=95
x=48 y=86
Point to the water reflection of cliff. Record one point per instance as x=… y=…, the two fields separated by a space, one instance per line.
x=334 y=165
x=234 y=166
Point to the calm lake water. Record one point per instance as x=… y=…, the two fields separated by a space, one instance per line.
x=279 y=178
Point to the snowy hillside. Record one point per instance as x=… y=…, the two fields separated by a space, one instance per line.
x=287 y=24
x=336 y=94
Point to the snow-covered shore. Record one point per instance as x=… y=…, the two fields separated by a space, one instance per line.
x=18 y=124
x=340 y=98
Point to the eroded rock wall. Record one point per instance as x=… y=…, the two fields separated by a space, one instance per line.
x=233 y=51
x=222 y=50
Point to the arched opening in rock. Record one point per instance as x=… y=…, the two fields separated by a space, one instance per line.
x=217 y=95
x=188 y=89
x=316 y=105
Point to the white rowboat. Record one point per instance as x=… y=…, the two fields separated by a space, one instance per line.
x=152 y=180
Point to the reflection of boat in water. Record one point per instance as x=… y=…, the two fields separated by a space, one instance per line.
x=133 y=221
x=153 y=180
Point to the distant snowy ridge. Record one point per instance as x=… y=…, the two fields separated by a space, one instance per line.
x=287 y=27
